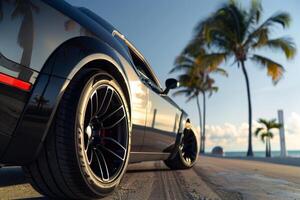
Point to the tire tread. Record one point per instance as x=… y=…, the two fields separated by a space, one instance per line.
x=53 y=173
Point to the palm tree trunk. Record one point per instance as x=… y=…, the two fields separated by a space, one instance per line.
x=267 y=149
x=270 y=147
x=200 y=123
x=204 y=121
x=250 y=151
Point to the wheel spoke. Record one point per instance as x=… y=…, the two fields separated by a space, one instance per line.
x=99 y=164
x=90 y=160
x=91 y=109
x=188 y=160
x=97 y=102
x=110 y=151
x=102 y=103
x=88 y=145
x=113 y=112
x=181 y=146
x=113 y=120
x=104 y=161
x=94 y=104
x=115 y=142
x=105 y=105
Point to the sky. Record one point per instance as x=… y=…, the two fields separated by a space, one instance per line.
x=161 y=29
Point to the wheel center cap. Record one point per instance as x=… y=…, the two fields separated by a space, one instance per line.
x=95 y=135
x=88 y=131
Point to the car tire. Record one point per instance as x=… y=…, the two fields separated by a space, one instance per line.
x=187 y=153
x=81 y=162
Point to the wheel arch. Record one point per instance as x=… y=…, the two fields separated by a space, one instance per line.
x=93 y=53
x=99 y=61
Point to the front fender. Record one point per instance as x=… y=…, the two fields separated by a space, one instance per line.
x=197 y=136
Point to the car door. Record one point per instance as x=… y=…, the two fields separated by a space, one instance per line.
x=139 y=94
x=162 y=115
x=162 y=121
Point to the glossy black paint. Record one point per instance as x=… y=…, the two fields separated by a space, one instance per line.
x=46 y=44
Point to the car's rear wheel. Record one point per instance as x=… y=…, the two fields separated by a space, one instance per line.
x=86 y=152
x=186 y=154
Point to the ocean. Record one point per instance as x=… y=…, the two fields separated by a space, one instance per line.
x=293 y=153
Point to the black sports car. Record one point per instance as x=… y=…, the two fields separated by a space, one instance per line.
x=78 y=102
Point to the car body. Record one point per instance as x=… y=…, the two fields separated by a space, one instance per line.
x=43 y=45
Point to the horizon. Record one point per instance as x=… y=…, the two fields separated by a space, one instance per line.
x=263 y=151
x=163 y=25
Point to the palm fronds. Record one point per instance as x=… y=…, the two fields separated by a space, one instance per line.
x=274 y=70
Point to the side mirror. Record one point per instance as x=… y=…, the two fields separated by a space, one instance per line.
x=170 y=83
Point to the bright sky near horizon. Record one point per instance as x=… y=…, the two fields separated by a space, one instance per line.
x=161 y=29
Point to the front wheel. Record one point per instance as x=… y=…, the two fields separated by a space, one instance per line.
x=86 y=152
x=186 y=154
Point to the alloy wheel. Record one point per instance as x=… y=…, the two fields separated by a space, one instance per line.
x=105 y=133
x=188 y=148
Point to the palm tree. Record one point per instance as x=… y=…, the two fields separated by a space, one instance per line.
x=232 y=32
x=266 y=134
x=40 y=101
x=209 y=88
x=25 y=9
x=196 y=81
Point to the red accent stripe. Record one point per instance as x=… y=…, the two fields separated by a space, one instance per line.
x=8 y=80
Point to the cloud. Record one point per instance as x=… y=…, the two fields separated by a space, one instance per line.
x=235 y=137
x=293 y=124
x=229 y=136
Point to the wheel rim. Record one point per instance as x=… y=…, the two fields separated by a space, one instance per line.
x=188 y=148
x=105 y=133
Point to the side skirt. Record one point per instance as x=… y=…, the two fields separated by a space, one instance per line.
x=147 y=156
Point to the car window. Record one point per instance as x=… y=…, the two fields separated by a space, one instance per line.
x=142 y=68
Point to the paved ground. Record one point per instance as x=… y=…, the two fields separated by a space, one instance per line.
x=253 y=179
x=211 y=178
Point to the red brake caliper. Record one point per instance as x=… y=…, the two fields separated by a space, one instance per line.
x=102 y=133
